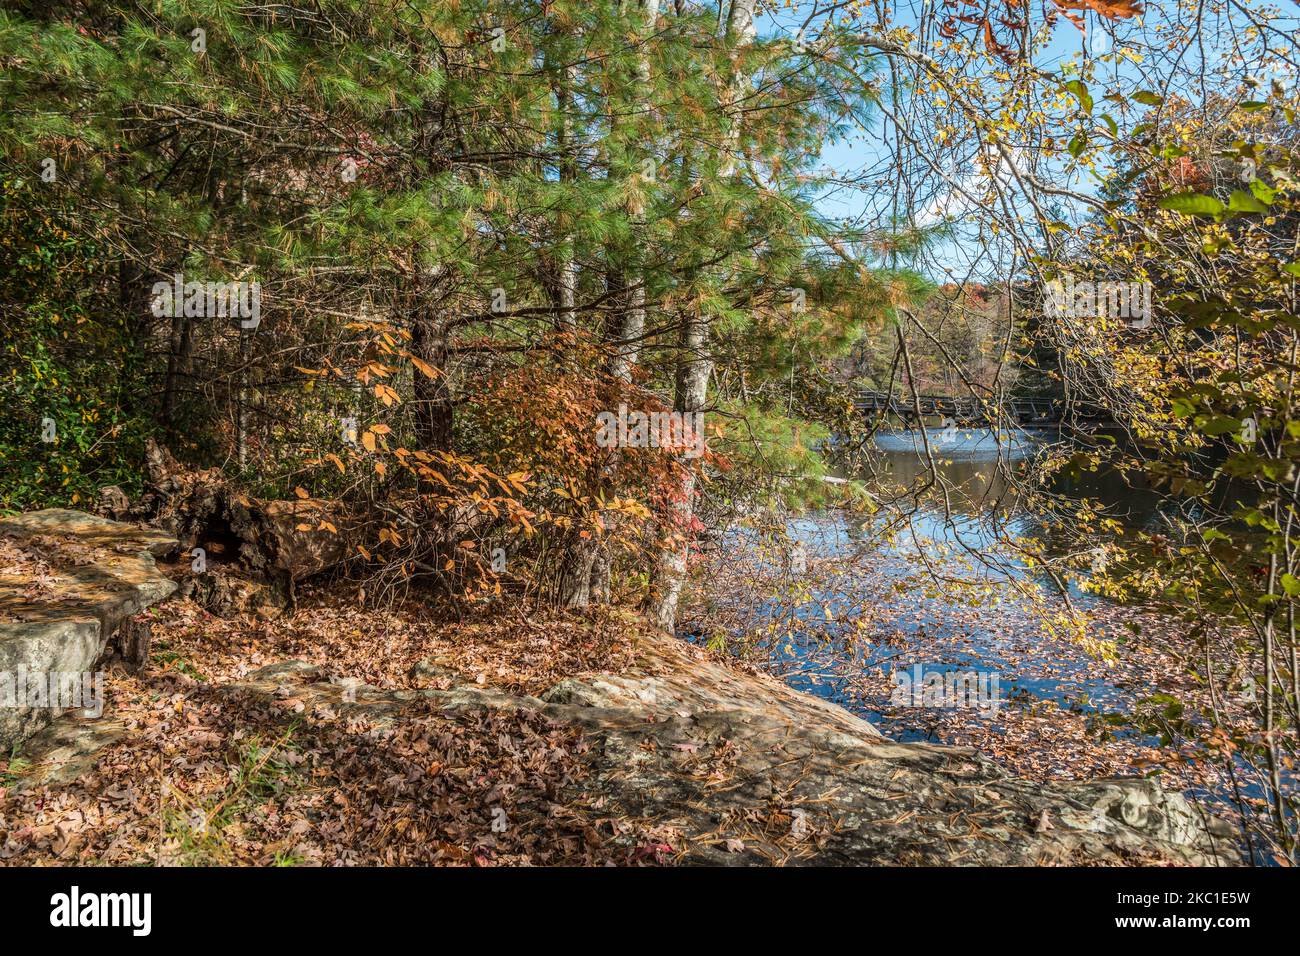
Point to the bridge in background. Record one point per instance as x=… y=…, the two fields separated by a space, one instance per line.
x=969 y=410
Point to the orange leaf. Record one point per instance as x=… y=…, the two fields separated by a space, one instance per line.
x=424 y=367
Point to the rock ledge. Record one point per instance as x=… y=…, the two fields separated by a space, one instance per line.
x=68 y=582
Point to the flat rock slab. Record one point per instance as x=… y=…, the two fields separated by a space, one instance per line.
x=673 y=679
x=722 y=766
x=68 y=580
x=66 y=750
x=88 y=530
x=746 y=776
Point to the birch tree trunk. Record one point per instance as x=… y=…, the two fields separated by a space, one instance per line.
x=694 y=370
x=564 y=292
x=695 y=366
x=631 y=322
x=586 y=568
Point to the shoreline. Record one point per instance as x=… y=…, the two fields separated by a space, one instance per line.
x=339 y=734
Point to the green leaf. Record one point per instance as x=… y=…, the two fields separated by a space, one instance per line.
x=1291 y=584
x=1263 y=192
x=1241 y=201
x=1147 y=98
x=1080 y=93
x=1192 y=204
x=1218 y=424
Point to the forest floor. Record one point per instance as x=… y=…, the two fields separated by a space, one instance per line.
x=338 y=733
x=198 y=772
x=343 y=735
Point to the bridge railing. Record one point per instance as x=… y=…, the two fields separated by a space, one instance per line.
x=1045 y=411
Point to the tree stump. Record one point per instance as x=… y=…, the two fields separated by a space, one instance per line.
x=133 y=640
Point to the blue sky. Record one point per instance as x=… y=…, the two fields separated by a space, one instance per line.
x=864 y=149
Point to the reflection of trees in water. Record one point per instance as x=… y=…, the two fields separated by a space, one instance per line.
x=989 y=492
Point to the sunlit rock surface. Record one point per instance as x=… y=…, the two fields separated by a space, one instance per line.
x=736 y=767
x=750 y=772
x=68 y=581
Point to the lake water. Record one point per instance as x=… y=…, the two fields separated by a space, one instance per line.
x=859 y=600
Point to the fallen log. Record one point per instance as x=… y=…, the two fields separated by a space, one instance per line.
x=284 y=541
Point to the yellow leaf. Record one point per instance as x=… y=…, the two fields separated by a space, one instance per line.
x=368 y=439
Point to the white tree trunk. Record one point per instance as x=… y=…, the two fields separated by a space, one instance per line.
x=694 y=370
x=695 y=366
x=632 y=320
x=584 y=574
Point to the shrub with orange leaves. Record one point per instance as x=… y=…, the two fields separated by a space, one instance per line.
x=542 y=419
